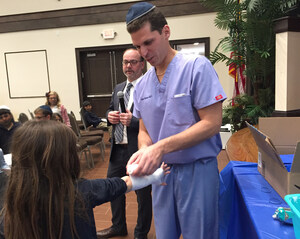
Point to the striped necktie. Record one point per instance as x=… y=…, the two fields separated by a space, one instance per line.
x=120 y=127
x=127 y=94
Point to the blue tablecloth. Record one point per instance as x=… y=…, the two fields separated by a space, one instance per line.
x=247 y=203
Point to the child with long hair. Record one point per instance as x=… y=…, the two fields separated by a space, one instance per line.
x=46 y=198
x=53 y=101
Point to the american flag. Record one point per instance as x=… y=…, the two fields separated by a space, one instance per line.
x=239 y=79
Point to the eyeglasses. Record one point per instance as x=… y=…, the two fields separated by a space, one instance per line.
x=5 y=115
x=132 y=62
x=39 y=117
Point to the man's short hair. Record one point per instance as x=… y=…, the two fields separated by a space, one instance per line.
x=156 y=19
x=86 y=103
x=133 y=48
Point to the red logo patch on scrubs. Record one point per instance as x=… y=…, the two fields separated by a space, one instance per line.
x=219 y=97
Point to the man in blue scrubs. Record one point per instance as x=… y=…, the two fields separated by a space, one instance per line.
x=179 y=104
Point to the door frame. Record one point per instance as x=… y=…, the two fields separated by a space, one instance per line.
x=78 y=52
x=173 y=43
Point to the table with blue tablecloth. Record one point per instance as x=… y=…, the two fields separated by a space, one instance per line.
x=247 y=203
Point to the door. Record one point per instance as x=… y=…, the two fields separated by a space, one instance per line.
x=100 y=71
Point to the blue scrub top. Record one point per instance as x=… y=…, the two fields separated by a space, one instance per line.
x=167 y=108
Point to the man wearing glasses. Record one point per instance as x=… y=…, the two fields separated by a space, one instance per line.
x=43 y=112
x=123 y=145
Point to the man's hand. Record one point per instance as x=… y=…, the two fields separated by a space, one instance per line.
x=114 y=117
x=125 y=118
x=148 y=160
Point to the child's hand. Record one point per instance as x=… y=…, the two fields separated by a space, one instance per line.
x=137 y=182
x=166 y=169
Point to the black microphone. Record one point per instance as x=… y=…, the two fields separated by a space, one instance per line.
x=120 y=95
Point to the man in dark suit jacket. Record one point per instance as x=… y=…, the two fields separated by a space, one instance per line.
x=122 y=149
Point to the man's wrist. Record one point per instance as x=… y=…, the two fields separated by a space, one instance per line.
x=143 y=146
x=163 y=146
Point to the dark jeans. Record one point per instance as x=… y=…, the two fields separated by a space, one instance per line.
x=117 y=168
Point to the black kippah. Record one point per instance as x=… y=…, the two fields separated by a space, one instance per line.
x=47 y=108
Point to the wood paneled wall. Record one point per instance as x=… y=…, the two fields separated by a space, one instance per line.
x=92 y=15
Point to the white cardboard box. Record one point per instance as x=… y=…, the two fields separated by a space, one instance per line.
x=225 y=134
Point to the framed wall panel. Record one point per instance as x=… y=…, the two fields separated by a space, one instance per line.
x=27 y=74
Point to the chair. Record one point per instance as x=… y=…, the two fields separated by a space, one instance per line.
x=83 y=148
x=90 y=131
x=87 y=128
x=82 y=144
x=31 y=114
x=23 y=118
x=86 y=131
x=81 y=112
x=90 y=140
x=95 y=132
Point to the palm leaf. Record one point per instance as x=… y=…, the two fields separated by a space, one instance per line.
x=252 y=40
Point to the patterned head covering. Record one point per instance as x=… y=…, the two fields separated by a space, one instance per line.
x=138 y=10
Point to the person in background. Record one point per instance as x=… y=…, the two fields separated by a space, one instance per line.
x=46 y=198
x=4 y=171
x=53 y=101
x=43 y=112
x=126 y=126
x=57 y=117
x=90 y=118
x=7 y=128
x=179 y=105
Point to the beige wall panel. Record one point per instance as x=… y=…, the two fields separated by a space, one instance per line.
x=287 y=82
x=27 y=73
x=29 y=6
x=293 y=86
x=281 y=72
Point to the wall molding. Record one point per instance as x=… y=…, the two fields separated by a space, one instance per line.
x=92 y=15
x=287 y=24
x=289 y=113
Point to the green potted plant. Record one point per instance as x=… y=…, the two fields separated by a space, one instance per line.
x=244 y=109
x=250 y=45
